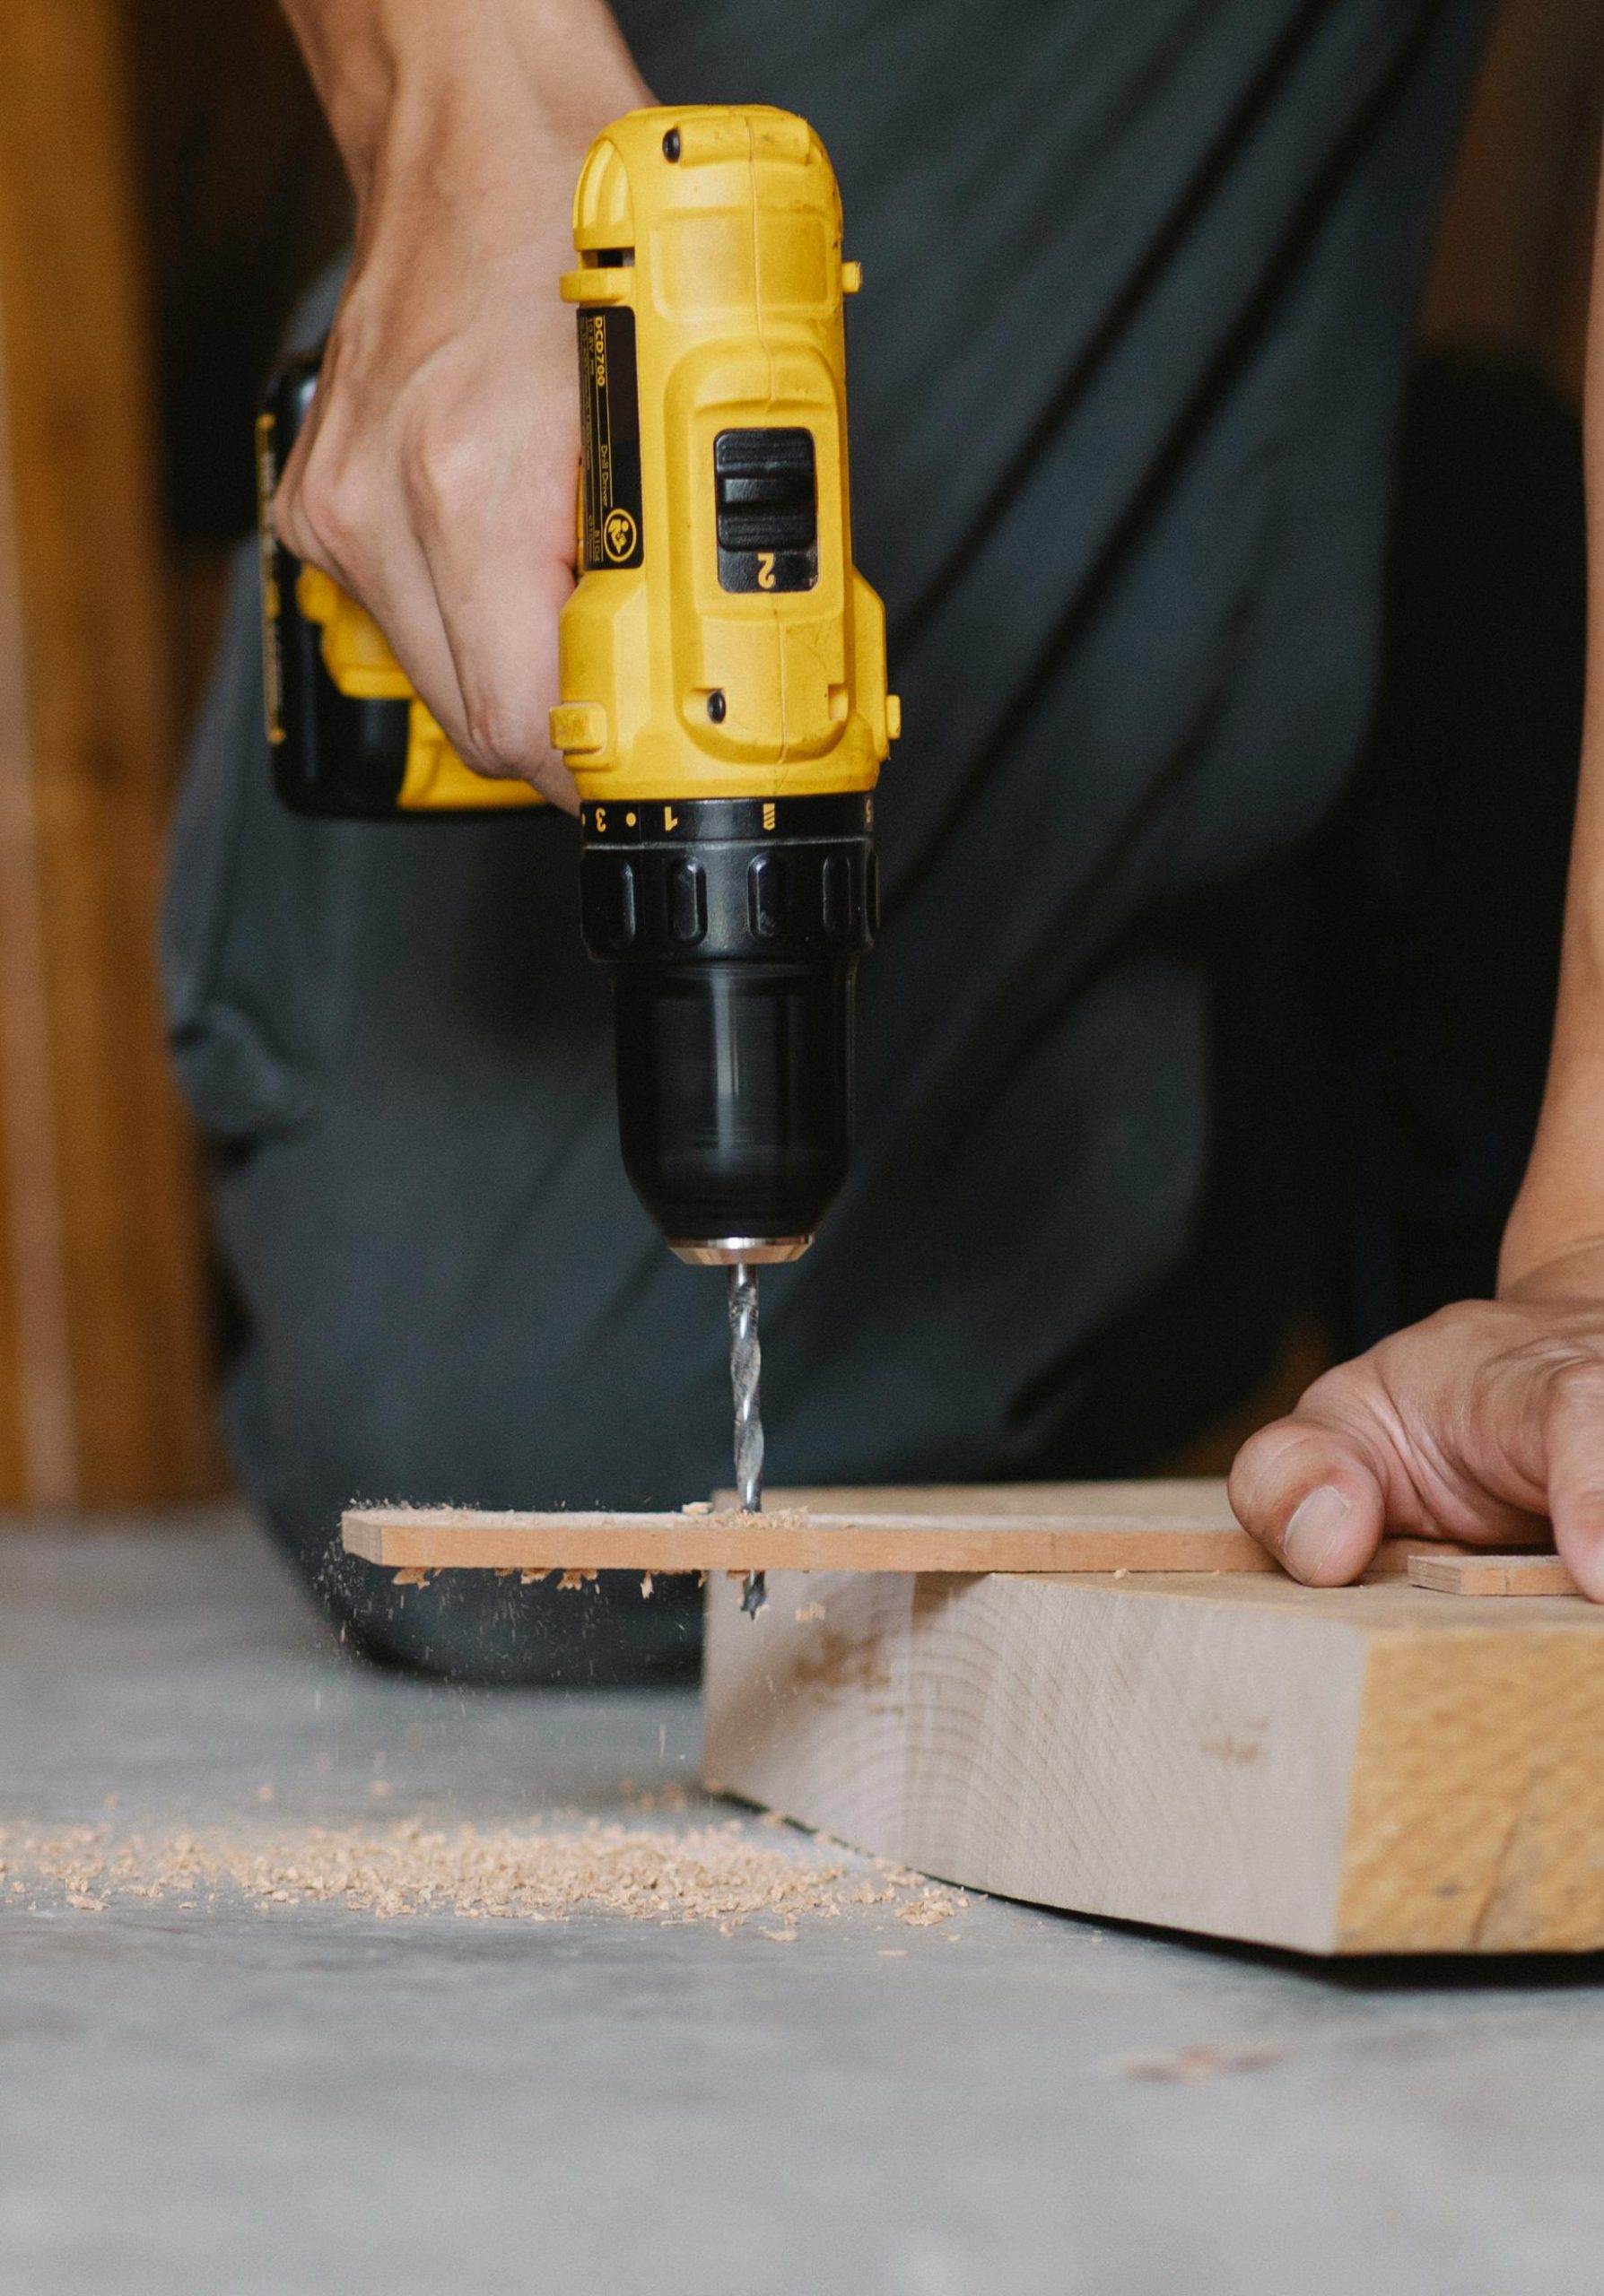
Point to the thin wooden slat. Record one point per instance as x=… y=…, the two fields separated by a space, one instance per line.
x=1197 y=1501
x=1491 y=1574
x=1178 y=1526
x=459 y=1538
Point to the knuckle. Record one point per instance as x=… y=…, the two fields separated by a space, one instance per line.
x=1259 y=1451
x=498 y=731
x=329 y=514
x=1579 y=1386
x=1584 y=1502
x=287 y=522
x=1256 y=1470
x=440 y=465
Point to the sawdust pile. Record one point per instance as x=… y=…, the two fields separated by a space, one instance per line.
x=714 y=1873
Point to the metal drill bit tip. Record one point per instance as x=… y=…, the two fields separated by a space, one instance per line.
x=745 y=1368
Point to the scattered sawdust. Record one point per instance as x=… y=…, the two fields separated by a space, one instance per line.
x=715 y=1874
x=932 y=1905
x=736 y=1518
x=1191 y=2064
x=644 y=1798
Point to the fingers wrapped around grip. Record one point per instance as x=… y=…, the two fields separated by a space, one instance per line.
x=434 y=476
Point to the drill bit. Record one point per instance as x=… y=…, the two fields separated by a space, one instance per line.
x=745 y=1367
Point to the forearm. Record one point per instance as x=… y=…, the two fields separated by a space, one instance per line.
x=1487 y=1419
x=514 y=73
x=1554 y=1240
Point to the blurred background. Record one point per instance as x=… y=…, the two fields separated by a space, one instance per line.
x=166 y=192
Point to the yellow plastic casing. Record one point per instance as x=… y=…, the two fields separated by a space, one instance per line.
x=357 y=656
x=721 y=229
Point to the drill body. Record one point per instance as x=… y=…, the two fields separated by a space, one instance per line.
x=722 y=670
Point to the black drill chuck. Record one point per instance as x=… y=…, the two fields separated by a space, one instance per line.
x=732 y=929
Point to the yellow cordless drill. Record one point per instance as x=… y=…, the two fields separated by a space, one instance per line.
x=723 y=707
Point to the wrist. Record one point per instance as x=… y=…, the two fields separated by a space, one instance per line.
x=421 y=87
x=1536 y=1265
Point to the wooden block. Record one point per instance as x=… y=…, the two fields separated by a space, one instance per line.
x=1491 y=1574
x=1368 y=1769
x=1061 y=1533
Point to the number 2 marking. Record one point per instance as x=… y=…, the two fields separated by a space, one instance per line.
x=765 y=569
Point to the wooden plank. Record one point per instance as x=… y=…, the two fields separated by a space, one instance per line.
x=1056 y=1538
x=105 y=1358
x=1491 y=1574
x=1361 y=1770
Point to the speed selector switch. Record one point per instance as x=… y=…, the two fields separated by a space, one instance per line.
x=767 y=510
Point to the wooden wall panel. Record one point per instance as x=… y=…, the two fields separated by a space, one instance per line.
x=1510 y=273
x=105 y=1358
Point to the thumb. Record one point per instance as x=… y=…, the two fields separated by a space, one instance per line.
x=1573 y=1444
x=1307 y=1493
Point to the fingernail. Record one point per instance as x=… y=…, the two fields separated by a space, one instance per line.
x=1314 y=1533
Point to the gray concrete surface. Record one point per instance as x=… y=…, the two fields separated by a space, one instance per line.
x=312 y=2100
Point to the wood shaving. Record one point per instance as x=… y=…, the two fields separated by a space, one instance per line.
x=933 y=1906
x=646 y=1584
x=1191 y=2065
x=736 y=1518
x=572 y=1580
x=713 y=1874
x=414 y=1575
